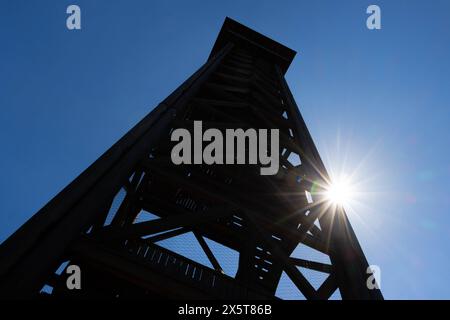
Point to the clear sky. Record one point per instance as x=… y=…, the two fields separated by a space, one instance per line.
x=376 y=103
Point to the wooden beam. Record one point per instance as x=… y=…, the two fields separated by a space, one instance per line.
x=140 y=229
x=208 y=252
x=167 y=235
x=322 y=267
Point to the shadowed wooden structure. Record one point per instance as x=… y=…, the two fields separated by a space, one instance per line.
x=263 y=218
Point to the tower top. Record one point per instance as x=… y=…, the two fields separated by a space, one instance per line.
x=233 y=31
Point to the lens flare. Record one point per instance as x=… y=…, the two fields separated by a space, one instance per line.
x=340 y=191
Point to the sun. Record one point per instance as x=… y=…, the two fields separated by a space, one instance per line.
x=340 y=191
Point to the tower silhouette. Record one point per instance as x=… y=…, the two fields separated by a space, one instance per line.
x=110 y=219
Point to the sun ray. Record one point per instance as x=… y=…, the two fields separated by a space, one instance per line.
x=340 y=191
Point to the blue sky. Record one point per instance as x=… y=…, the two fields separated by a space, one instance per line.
x=376 y=103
